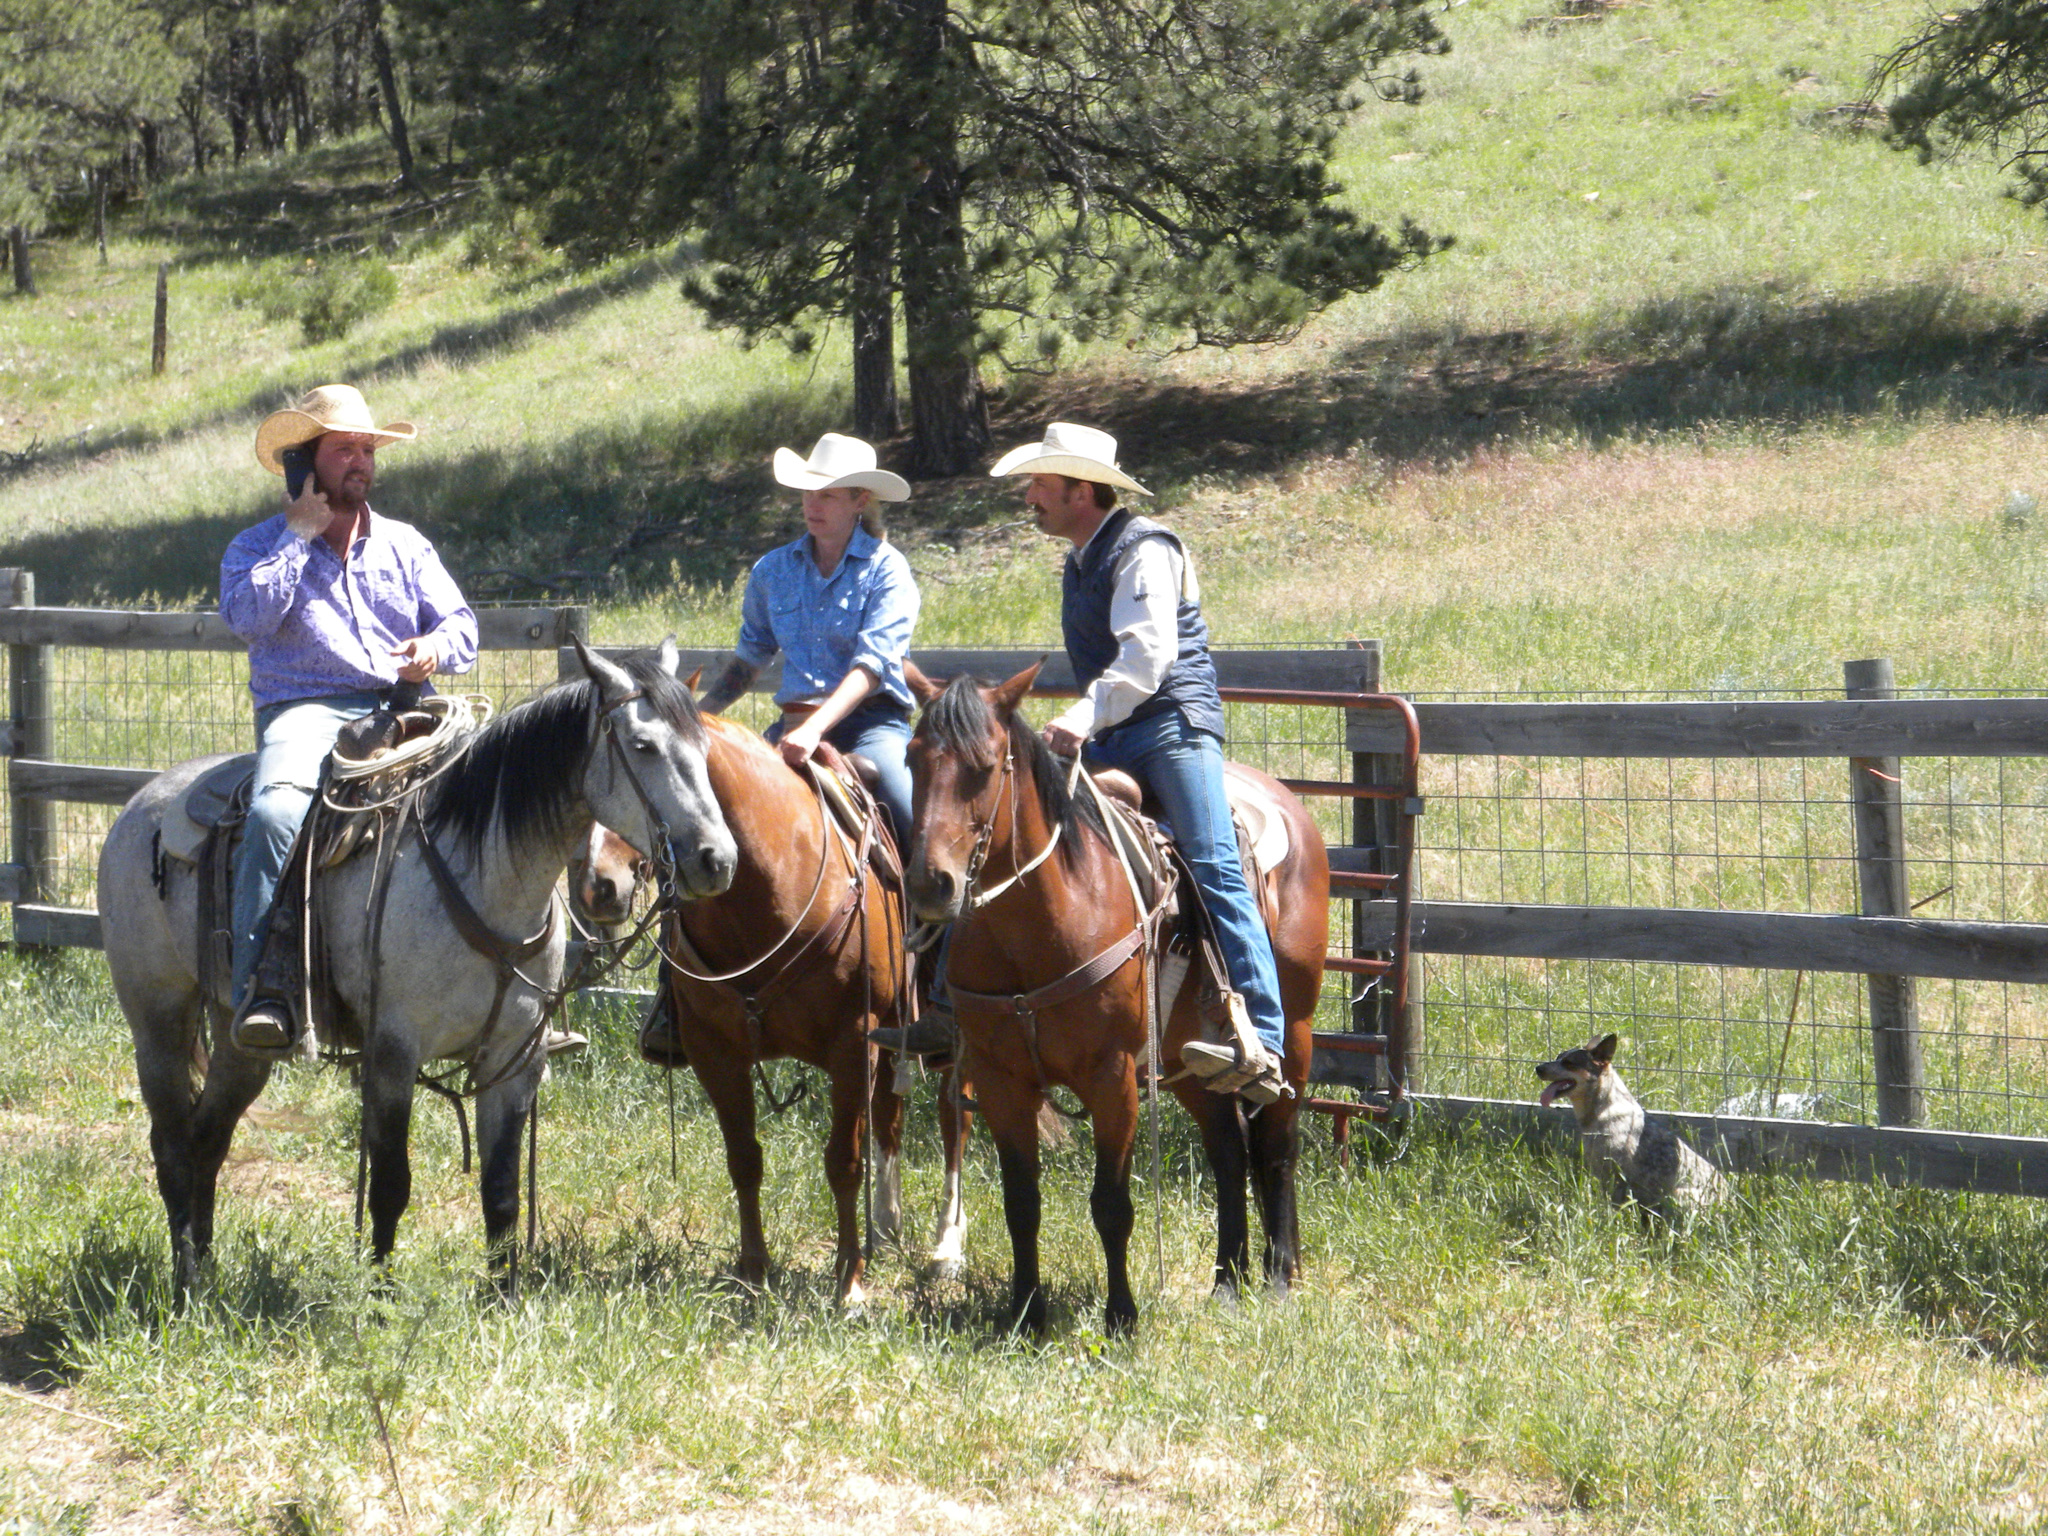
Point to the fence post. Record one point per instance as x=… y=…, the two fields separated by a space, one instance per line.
x=160 y=327
x=1375 y=825
x=1877 y=801
x=32 y=821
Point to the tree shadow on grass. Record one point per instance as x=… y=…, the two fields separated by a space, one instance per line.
x=601 y=513
x=455 y=344
x=689 y=499
x=1725 y=358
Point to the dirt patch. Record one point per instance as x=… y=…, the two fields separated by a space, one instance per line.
x=75 y=1464
x=1481 y=1503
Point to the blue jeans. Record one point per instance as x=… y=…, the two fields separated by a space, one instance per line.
x=1184 y=768
x=292 y=742
x=879 y=733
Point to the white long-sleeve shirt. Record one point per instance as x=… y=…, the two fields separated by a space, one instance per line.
x=1144 y=613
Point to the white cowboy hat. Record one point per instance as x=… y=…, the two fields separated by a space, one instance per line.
x=330 y=408
x=1079 y=453
x=839 y=461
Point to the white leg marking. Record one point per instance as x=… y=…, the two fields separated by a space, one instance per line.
x=889 y=1196
x=948 y=1241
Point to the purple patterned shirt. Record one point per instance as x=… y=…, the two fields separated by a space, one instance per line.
x=319 y=626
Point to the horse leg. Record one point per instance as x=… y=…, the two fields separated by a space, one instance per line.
x=723 y=1075
x=190 y=1127
x=886 y=1217
x=1113 y=1108
x=956 y=1120
x=388 y=1072
x=1223 y=1139
x=1010 y=1106
x=502 y=1115
x=1276 y=1145
x=844 y=1155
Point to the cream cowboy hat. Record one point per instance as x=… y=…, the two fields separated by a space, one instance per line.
x=330 y=408
x=1079 y=453
x=839 y=461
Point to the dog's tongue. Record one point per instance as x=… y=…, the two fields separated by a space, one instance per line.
x=1552 y=1092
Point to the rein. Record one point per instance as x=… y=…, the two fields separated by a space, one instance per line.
x=688 y=962
x=1025 y=1007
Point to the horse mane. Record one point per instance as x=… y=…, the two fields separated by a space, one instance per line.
x=521 y=773
x=960 y=721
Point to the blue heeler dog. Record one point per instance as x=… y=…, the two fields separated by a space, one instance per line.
x=1636 y=1157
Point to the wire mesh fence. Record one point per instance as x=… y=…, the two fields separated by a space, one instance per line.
x=1761 y=834
x=1752 y=834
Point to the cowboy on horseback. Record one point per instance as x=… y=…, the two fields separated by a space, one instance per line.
x=839 y=603
x=1131 y=615
x=341 y=607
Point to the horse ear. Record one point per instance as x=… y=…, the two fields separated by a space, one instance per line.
x=611 y=679
x=1011 y=694
x=671 y=658
x=690 y=682
x=926 y=689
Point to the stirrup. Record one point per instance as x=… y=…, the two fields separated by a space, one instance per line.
x=1256 y=1077
x=264 y=1029
x=927 y=1037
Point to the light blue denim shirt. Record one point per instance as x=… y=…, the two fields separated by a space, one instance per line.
x=860 y=615
x=319 y=626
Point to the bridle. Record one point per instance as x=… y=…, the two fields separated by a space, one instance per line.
x=972 y=897
x=662 y=855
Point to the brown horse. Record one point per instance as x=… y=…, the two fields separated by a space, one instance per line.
x=991 y=800
x=606 y=876
x=800 y=957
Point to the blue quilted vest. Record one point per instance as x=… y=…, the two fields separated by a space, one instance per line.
x=1086 y=587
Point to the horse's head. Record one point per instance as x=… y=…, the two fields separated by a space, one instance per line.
x=960 y=758
x=605 y=878
x=646 y=773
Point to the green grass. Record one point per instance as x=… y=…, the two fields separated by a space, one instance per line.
x=1476 y=1324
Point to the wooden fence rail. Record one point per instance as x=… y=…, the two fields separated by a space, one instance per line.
x=1858 y=729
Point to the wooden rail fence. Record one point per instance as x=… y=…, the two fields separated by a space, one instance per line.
x=1868 y=732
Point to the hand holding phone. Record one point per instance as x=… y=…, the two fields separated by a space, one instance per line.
x=308 y=515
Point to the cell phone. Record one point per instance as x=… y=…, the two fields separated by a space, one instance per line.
x=298 y=464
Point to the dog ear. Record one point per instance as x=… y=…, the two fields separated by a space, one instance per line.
x=1603 y=1049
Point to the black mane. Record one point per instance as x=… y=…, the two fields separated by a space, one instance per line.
x=959 y=721
x=521 y=773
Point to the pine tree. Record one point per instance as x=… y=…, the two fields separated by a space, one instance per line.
x=1012 y=176
x=1976 y=76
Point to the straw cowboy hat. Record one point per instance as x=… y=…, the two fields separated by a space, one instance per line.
x=839 y=461
x=1079 y=453
x=330 y=408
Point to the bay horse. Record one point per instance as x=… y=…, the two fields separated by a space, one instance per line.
x=624 y=745
x=606 y=875
x=799 y=958
x=991 y=802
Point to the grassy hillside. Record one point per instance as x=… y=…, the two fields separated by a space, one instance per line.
x=1707 y=358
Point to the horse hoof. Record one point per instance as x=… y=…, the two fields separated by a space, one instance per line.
x=949 y=1271
x=1224 y=1298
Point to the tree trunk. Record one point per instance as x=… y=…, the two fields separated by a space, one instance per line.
x=875 y=415
x=305 y=132
x=948 y=412
x=100 y=177
x=152 y=152
x=24 y=274
x=387 y=88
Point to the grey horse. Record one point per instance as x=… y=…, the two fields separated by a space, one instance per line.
x=625 y=746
